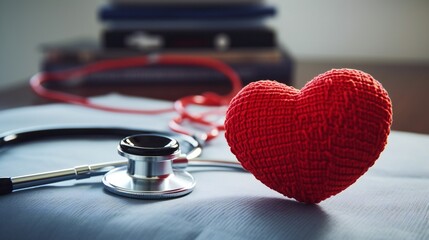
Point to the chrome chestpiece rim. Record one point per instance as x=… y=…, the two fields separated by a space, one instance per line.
x=150 y=173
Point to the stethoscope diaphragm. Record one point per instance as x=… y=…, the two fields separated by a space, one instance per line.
x=150 y=172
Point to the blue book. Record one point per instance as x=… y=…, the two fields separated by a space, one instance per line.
x=235 y=12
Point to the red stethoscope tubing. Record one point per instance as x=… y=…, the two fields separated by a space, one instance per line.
x=180 y=105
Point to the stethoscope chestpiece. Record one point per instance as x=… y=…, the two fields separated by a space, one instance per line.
x=150 y=173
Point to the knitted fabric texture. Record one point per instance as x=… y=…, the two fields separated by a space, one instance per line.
x=312 y=143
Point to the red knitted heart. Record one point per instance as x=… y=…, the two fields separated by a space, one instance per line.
x=312 y=143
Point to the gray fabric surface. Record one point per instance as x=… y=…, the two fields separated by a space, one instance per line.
x=391 y=201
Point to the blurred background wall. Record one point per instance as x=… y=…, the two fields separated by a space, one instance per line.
x=365 y=30
x=387 y=38
x=381 y=30
x=24 y=25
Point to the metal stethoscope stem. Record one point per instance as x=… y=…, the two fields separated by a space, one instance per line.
x=99 y=169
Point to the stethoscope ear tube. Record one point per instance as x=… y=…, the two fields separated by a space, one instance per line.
x=207 y=99
x=190 y=146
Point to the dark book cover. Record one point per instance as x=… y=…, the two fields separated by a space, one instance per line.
x=120 y=12
x=218 y=39
x=251 y=64
x=161 y=74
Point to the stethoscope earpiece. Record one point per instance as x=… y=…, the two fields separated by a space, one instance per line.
x=155 y=169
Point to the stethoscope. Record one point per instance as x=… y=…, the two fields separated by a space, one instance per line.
x=156 y=161
x=180 y=106
x=155 y=167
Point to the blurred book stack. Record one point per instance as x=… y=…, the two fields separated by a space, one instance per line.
x=233 y=31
